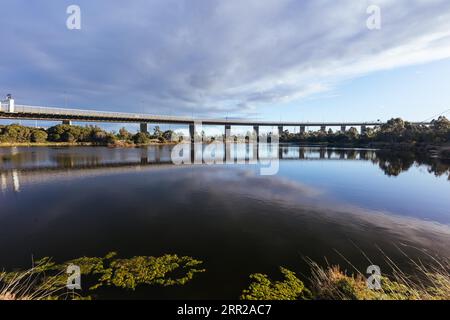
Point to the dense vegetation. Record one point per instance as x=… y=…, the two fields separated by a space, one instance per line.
x=16 y=133
x=395 y=131
x=331 y=283
x=47 y=280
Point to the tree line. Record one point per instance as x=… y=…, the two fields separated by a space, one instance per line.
x=15 y=133
x=393 y=131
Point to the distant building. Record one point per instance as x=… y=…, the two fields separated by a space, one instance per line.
x=8 y=104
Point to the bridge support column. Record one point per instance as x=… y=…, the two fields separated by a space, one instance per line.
x=67 y=122
x=363 y=129
x=144 y=127
x=256 y=132
x=343 y=128
x=323 y=128
x=227 y=134
x=302 y=129
x=280 y=131
x=192 y=132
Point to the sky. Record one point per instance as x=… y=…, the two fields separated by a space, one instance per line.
x=274 y=59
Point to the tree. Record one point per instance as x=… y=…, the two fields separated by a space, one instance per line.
x=157 y=132
x=141 y=138
x=39 y=136
x=16 y=133
x=352 y=133
x=394 y=125
x=124 y=134
x=68 y=137
x=441 y=124
x=169 y=135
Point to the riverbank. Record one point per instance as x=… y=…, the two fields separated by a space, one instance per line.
x=431 y=150
x=441 y=152
x=116 y=144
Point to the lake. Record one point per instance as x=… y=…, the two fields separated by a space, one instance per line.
x=330 y=205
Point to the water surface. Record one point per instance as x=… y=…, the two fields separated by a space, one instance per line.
x=87 y=201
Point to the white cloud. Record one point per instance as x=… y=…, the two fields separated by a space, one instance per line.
x=170 y=56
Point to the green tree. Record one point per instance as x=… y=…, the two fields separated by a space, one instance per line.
x=441 y=124
x=157 y=132
x=169 y=135
x=124 y=134
x=262 y=288
x=39 y=136
x=141 y=138
x=68 y=137
x=352 y=133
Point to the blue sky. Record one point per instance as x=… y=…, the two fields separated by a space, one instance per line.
x=273 y=59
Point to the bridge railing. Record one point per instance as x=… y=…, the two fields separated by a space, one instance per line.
x=42 y=112
x=73 y=112
x=38 y=110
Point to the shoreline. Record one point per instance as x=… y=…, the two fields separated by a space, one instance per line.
x=79 y=144
x=441 y=152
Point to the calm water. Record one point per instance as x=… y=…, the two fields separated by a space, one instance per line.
x=87 y=201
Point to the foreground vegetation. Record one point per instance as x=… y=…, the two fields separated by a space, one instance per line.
x=430 y=282
x=47 y=280
x=16 y=134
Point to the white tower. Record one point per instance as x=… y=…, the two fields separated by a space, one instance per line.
x=10 y=102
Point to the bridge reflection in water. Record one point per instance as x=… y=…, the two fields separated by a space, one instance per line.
x=29 y=165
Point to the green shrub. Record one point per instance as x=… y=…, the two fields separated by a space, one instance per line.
x=141 y=138
x=39 y=136
x=262 y=288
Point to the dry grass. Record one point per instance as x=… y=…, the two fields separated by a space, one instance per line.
x=429 y=282
x=28 y=285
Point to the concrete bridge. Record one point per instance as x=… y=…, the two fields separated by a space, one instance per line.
x=10 y=110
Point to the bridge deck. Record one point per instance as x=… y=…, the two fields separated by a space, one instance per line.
x=45 y=113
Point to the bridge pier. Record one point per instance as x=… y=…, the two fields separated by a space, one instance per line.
x=227 y=134
x=343 y=128
x=302 y=129
x=144 y=127
x=67 y=122
x=256 y=132
x=323 y=128
x=192 y=132
x=280 y=131
x=363 y=129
